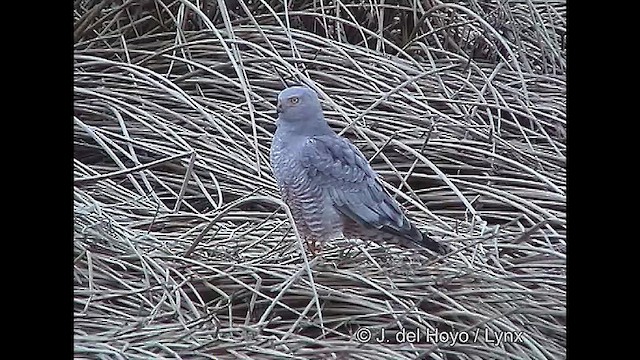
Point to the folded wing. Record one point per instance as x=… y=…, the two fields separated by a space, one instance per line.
x=345 y=175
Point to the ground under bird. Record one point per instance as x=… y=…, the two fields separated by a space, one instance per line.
x=327 y=182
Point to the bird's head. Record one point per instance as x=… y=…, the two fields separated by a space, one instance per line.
x=299 y=104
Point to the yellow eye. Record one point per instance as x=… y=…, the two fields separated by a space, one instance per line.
x=294 y=100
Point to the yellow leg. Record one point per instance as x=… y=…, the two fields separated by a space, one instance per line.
x=313 y=248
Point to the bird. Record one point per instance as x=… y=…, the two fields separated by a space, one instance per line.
x=327 y=182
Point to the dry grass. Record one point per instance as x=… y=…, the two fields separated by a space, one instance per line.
x=182 y=247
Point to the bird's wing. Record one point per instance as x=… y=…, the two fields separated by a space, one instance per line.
x=353 y=186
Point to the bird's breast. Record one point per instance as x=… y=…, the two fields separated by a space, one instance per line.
x=286 y=160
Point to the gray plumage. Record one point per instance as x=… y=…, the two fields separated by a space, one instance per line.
x=328 y=184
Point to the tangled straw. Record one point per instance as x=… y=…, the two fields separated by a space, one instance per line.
x=182 y=248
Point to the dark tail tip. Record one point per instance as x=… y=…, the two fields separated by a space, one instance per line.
x=422 y=239
x=434 y=245
x=419 y=238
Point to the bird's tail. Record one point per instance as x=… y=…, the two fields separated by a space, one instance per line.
x=414 y=235
x=431 y=244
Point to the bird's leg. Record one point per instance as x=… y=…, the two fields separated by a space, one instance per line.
x=311 y=242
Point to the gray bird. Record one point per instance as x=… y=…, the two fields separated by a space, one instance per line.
x=328 y=184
